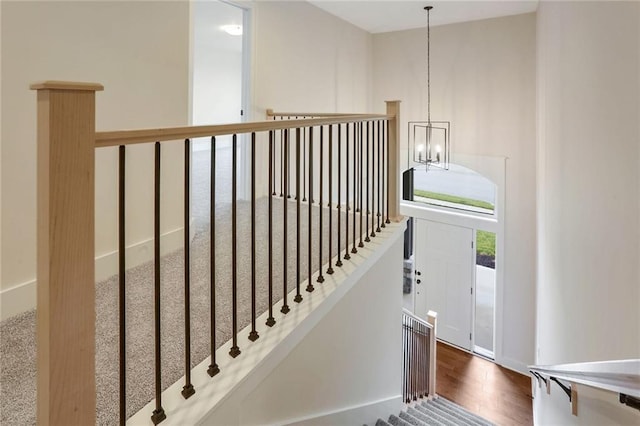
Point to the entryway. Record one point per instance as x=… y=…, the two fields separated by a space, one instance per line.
x=219 y=93
x=455 y=276
x=444 y=278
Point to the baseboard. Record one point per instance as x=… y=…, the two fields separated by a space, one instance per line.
x=367 y=413
x=17 y=299
x=22 y=297
x=139 y=253
x=514 y=365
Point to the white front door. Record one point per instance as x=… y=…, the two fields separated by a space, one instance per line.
x=444 y=259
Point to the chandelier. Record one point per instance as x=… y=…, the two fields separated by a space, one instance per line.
x=429 y=140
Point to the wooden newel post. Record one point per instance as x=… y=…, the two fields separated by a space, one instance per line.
x=393 y=109
x=66 y=288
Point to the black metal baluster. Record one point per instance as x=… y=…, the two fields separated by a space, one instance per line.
x=411 y=361
x=287 y=151
x=187 y=389
x=213 y=367
x=298 y=297
x=355 y=176
x=235 y=350
x=272 y=161
x=404 y=358
x=158 y=414
x=339 y=262
x=282 y=162
x=285 y=307
x=420 y=360
x=428 y=346
x=373 y=178
x=347 y=256
x=330 y=205
x=367 y=143
x=387 y=137
x=378 y=172
x=270 y=320
x=320 y=236
x=360 y=203
x=409 y=358
x=121 y=284
x=304 y=164
x=253 y=335
x=310 y=287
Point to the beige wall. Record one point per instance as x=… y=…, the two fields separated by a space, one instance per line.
x=483 y=81
x=589 y=195
x=139 y=51
x=344 y=370
x=302 y=59
x=308 y=60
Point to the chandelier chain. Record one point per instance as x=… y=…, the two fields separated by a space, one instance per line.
x=428 y=68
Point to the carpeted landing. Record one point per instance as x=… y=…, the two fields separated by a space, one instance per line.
x=18 y=345
x=434 y=412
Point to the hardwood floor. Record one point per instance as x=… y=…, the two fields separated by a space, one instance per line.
x=482 y=387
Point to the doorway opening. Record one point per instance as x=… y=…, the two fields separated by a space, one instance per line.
x=219 y=89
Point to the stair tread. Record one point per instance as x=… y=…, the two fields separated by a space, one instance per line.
x=397 y=421
x=381 y=422
x=477 y=419
x=427 y=419
x=456 y=412
x=441 y=416
x=411 y=419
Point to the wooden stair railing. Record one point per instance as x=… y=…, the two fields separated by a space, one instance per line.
x=66 y=386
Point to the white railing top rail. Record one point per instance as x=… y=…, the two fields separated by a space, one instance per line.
x=416 y=318
x=621 y=376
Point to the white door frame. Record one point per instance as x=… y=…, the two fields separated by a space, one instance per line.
x=244 y=190
x=494 y=168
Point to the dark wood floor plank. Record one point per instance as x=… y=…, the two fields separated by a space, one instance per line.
x=500 y=395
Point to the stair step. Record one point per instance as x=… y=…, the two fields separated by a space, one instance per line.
x=434 y=412
x=441 y=416
x=479 y=420
x=431 y=421
x=411 y=419
x=455 y=413
x=396 y=421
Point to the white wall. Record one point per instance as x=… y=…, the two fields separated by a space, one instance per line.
x=302 y=58
x=139 y=51
x=588 y=289
x=352 y=358
x=483 y=80
x=307 y=60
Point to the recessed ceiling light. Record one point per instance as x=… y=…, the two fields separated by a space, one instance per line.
x=234 y=30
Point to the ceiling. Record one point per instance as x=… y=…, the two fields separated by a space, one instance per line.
x=379 y=16
x=208 y=18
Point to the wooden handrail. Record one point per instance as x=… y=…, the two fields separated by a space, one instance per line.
x=127 y=137
x=272 y=113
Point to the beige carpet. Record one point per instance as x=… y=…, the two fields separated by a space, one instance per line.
x=17 y=335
